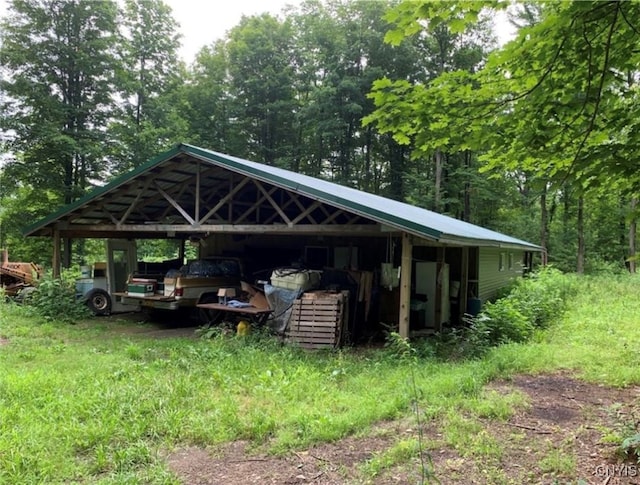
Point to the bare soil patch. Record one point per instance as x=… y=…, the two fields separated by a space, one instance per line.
x=140 y=324
x=558 y=438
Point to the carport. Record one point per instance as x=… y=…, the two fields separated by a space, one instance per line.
x=240 y=206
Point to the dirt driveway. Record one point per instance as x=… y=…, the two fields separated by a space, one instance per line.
x=564 y=435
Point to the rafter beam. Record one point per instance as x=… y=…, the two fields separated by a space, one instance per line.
x=272 y=202
x=177 y=206
x=254 y=207
x=306 y=213
x=224 y=200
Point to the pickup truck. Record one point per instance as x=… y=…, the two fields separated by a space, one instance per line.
x=197 y=281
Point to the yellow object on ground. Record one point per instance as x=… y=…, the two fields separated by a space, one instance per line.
x=243 y=328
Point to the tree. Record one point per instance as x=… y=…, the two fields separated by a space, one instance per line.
x=427 y=129
x=209 y=105
x=555 y=102
x=339 y=53
x=59 y=59
x=150 y=80
x=261 y=80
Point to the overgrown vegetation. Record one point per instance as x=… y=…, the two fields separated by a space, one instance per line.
x=521 y=311
x=55 y=299
x=531 y=304
x=71 y=407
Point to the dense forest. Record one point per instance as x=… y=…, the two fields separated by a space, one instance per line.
x=415 y=101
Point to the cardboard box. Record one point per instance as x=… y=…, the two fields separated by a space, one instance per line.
x=169 y=286
x=225 y=294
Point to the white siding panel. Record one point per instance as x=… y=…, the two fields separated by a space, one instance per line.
x=490 y=275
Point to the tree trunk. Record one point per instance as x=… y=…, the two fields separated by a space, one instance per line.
x=466 y=211
x=581 y=248
x=66 y=253
x=438 y=181
x=566 y=219
x=544 y=224
x=632 y=236
x=396 y=170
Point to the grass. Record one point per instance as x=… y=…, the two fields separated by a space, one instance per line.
x=89 y=403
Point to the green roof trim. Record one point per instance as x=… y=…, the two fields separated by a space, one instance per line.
x=399 y=215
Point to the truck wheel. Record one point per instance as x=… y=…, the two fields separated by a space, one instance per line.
x=99 y=302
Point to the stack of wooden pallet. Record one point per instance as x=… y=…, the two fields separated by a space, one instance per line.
x=317 y=320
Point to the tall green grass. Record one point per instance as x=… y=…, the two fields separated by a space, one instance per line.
x=89 y=403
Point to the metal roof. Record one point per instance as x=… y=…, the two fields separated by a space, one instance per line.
x=389 y=213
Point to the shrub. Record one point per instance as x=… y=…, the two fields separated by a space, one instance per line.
x=542 y=295
x=501 y=322
x=55 y=299
x=532 y=302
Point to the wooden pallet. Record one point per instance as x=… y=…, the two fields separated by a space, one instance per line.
x=317 y=320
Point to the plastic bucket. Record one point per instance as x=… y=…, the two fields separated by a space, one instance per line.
x=474 y=306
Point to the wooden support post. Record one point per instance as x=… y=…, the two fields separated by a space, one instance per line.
x=55 y=263
x=181 y=252
x=438 y=302
x=464 y=283
x=405 y=285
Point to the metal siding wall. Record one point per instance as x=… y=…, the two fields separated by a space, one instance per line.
x=490 y=278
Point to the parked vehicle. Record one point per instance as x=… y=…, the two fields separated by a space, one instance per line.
x=197 y=281
x=98 y=287
x=122 y=284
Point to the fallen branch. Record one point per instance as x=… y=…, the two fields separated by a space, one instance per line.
x=530 y=428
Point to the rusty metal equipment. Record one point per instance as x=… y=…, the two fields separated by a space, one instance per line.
x=14 y=276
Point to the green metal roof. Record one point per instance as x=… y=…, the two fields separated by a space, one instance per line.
x=397 y=215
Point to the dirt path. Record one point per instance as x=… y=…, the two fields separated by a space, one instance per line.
x=559 y=437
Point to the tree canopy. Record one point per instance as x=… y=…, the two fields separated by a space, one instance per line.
x=412 y=100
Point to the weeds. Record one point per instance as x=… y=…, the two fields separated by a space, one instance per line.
x=84 y=404
x=529 y=305
x=406 y=353
x=55 y=299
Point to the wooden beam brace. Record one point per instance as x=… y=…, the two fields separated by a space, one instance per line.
x=306 y=213
x=272 y=202
x=181 y=190
x=224 y=200
x=296 y=199
x=329 y=220
x=284 y=206
x=177 y=206
x=253 y=207
x=141 y=189
x=111 y=216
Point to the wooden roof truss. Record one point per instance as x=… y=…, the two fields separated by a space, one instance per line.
x=185 y=195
